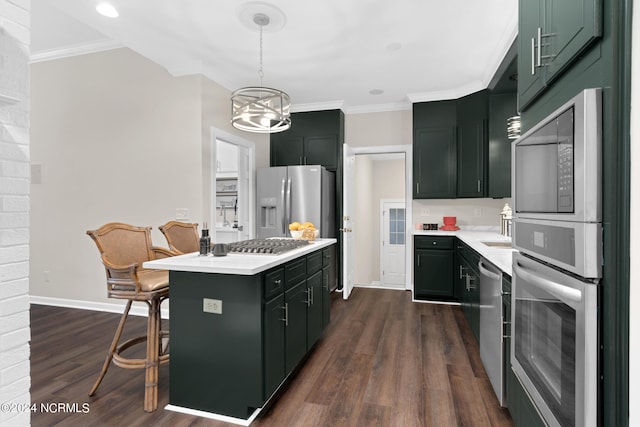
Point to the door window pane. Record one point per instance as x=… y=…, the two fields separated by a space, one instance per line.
x=396 y=226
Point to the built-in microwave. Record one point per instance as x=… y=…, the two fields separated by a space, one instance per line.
x=557 y=163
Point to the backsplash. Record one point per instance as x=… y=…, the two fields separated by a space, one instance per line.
x=469 y=212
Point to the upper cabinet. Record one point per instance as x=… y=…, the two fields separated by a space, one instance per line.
x=552 y=33
x=434 y=150
x=501 y=107
x=315 y=138
x=471 y=114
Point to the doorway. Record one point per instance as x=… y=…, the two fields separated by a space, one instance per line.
x=232 y=193
x=381 y=172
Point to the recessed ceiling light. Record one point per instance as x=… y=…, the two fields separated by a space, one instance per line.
x=107 y=9
x=376 y=92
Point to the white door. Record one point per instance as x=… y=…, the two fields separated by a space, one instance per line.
x=348 y=210
x=392 y=245
x=244 y=194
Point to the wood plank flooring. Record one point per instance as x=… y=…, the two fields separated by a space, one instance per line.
x=383 y=361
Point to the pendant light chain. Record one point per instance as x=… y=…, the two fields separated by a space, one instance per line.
x=260 y=72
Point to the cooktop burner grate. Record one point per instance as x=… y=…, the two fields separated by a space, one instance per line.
x=265 y=246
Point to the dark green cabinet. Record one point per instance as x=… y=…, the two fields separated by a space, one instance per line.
x=329 y=281
x=471 y=114
x=523 y=412
x=274 y=333
x=501 y=107
x=315 y=138
x=451 y=151
x=315 y=321
x=433 y=268
x=295 y=300
x=470 y=282
x=434 y=163
x=551 y=35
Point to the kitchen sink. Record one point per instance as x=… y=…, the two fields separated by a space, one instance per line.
x=503 y=245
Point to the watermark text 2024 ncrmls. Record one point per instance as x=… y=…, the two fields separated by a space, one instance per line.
x=49 y=407
x=65 y=407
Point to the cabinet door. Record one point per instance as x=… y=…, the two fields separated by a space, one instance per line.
x=321 y=150
x=274 y=342
x=433 y=274
x=326 y=296
x=314 y=308
x=501 y=107
x=570 y=26
x=434 y=163
x=530 y=76
x=296 y=328
x=286 y=150
x=471 y=154
x=459 y=277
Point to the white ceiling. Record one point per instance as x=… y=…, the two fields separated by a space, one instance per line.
x=328 y=54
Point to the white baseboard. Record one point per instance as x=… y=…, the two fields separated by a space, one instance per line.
x=137 y=308
x=377 y=285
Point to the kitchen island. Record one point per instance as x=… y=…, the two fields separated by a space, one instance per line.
x=241 y=323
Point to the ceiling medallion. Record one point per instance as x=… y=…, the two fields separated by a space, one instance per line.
x=260 y=109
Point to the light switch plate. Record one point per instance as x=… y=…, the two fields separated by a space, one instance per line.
x=182 y=213
x=210 y=305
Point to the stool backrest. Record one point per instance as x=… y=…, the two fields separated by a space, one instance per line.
x=123 y=244
x=182 y=237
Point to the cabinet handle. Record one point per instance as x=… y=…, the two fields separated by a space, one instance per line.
x=312 y=299
x=418 y=260
x=305 y=160
x=308 y=301
x=417 y=187
x=478 y=186
x=286 y=314
x=539 y=56
x=277 y=282
x=533 y=56
x=301 y=160
x=461 y=271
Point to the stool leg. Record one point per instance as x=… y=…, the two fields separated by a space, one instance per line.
x=112 y=349
x=153 y=356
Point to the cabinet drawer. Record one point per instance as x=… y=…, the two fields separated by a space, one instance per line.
x=273 y=283
x=295 y=272
x=433 y=242
x=314 y=262
x=326 y=256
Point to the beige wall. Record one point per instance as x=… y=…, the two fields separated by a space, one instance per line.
x=118 y=139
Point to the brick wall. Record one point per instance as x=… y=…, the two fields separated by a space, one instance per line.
x=14 y=210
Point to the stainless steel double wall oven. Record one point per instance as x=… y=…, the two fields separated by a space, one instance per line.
x=557 y=188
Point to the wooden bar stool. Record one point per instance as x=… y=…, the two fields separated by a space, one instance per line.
x=182 y=237
x=123 y=249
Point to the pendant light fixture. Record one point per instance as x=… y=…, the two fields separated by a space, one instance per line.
x=513 y=127
x=260 y=109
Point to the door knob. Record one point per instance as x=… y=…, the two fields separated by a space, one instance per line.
x=346 y=230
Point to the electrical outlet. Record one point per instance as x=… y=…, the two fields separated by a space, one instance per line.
x=478 y=211
x=212 y=305
x=182 y=213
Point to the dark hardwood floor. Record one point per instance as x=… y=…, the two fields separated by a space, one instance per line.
x=383 y=361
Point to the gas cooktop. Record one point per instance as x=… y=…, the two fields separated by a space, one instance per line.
x=265 y=246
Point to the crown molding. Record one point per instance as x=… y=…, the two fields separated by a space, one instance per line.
x=447 y=94
x=317 y=106
x=75 y=50
x=378 y=108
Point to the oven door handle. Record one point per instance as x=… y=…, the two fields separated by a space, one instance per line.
x=556 y=289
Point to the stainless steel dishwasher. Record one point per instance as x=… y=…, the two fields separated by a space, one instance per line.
x=491 y=325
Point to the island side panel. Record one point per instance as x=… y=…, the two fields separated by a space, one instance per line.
x=216 y=359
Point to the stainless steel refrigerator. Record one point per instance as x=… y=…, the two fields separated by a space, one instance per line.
x=295 y=193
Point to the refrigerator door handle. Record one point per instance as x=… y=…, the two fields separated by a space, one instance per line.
x=284 y=205
x=289 y=208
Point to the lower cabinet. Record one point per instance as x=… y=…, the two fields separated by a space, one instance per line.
x=433 y=267
x=470 y=299
x=523 y=412
x=295 y=301
x=295 y=317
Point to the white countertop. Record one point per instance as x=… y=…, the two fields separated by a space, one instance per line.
x=500 y=257
x=233 y=263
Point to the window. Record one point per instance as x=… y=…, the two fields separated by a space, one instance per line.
x=396 y=226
